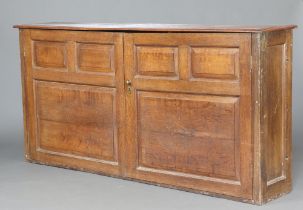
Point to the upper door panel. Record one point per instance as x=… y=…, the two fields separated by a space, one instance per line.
x=76 y=57
x=204 y=63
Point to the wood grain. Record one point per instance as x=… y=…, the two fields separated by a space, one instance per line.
x=157 y=61
x=188 y=133
x=77 y=119
x=276 y=118
x=215 y=62
x=50 y=55
x=277 y=112
x=95 y=58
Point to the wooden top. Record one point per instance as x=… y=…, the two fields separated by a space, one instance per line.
x=151 y=27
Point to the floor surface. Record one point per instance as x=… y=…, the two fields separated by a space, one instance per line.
x=26 y=186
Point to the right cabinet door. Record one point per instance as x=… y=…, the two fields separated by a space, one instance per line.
x=188 y=110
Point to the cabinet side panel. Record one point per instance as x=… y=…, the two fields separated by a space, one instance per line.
x=26 y=78
x=276 y=114
x=275 y=142
x=22 y=35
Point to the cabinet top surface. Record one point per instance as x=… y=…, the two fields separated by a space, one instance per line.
x=151 y=27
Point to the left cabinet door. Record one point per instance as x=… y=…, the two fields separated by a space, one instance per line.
x=73 y=98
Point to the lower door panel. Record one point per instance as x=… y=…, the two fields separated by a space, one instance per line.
x=77 y=125
x=189 y=134
x=189 y=141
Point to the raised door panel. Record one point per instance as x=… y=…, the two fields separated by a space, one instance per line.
x=76 y=120
x=95 y=58
x=156 y=61
x=75 y=99
x=215 y=62
x=189 y=134
x=49 y=55
x=189 y=120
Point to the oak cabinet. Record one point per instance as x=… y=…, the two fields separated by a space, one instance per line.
x=204 y=109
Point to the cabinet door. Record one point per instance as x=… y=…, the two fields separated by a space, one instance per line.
x=74 y=96
x=188 y=110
